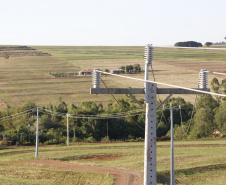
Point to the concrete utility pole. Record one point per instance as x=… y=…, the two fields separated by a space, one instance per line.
x=150 y=123
x=67 y=129
x=150 y=91
x=172 y=176
x=37 y=136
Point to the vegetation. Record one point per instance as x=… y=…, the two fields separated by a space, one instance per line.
x=208 y=44
x=188 y=44
x=196 y=162
x=63 y=74
x=6 y=56
x=209 y=115
x=24 y=79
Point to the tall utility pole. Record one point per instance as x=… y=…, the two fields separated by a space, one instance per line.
x=67 y=129
x=150 y=91
x=150 y=123
x=37 y=136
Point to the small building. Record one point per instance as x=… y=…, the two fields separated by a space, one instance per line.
x=216 y=132
x=117 y=71
x=86 y=72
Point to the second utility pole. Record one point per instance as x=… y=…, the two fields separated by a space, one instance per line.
x=172 y=175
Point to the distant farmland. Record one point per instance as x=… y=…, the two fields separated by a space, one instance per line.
x=26 y=77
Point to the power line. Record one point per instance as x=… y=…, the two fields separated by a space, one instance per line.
x=97 y=115
x=15 y=115
x=123 y=108
x=215 y=72
x=195 y=90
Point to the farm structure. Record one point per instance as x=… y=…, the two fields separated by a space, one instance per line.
x=117 y=71
x=86 y=72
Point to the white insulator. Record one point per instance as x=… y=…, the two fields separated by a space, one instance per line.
x=96 y=78
x=203 y=79
x=148 y=54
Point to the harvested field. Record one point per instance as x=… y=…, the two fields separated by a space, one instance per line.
x=27 y=78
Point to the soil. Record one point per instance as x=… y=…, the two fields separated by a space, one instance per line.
x=122 y=176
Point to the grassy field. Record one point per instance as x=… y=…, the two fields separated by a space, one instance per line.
x=196 y=162
x=26 y=78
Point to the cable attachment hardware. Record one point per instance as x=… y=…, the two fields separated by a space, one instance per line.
x=203 y=79
x=96 y=78
x=148 y=54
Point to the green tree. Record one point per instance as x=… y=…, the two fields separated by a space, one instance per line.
x=208 y=44
x=123 y=68
x=137 y=68
x=129 y=68
x=220 y=118
x=204 y=117
x=219 y=88
x=107 y=71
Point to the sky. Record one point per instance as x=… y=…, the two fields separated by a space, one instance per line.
x=111 y=22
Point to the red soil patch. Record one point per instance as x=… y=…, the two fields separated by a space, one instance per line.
x=122 y=176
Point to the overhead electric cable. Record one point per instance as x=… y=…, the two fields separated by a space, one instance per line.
x=195 y=90
x=123 y=107
x=15 y=115
x=215 y=72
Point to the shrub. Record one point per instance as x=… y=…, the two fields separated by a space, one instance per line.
x=89 y=140
x=105 y=139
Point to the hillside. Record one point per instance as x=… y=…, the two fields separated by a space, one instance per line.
x=25 y=76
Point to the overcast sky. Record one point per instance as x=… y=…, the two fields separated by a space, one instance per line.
x=111 y=22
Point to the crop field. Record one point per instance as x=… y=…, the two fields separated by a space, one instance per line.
x=196 y=162
x=25 y=76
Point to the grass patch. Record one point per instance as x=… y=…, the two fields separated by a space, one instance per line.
x=19 y=174
x=193 y=162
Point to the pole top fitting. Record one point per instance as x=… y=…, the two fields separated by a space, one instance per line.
x=203 y=79
x=148 y=54
x=96 y=78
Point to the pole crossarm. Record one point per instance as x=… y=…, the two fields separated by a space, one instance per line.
x=141 y=91
x=162 y=103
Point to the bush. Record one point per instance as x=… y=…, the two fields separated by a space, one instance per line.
x=5 y=142
x=76 y=139
x=179 y=134
x=163 y=138
x=89 y=140
x=105 y=139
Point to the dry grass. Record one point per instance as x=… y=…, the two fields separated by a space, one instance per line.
x=26 y=78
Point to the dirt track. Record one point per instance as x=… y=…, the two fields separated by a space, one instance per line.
x=122 y=176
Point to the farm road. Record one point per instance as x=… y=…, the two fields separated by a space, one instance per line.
x=122 y=176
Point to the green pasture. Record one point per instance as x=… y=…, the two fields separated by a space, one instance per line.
x=71 y=53
x=196 y=162
x=27 y=78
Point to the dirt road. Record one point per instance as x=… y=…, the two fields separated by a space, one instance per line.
x=122 y=176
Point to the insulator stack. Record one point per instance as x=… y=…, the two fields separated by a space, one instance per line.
x=96 y=78
x=148 y=54
x=203 y=79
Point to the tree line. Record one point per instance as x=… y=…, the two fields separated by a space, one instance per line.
x=136 y=68
x=209 y=114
